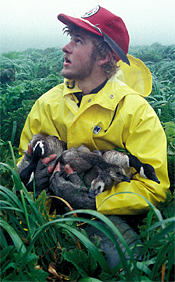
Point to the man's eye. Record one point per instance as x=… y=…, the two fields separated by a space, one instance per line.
x=78 y=41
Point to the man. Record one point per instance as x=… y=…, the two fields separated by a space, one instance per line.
x=101 y=105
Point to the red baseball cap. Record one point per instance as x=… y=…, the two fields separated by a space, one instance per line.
x=104 y=23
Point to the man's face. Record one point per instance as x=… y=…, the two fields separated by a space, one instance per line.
x=79 y=62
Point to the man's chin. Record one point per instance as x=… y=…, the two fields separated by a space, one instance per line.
x=67 y=75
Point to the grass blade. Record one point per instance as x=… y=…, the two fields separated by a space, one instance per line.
x=14 y=235
x=156 y=238
x=161 y=258
x=16 y=177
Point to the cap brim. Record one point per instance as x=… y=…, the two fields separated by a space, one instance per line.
x=67 y=20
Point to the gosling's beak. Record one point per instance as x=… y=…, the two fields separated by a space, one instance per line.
x=154 y=178
x=91 y=194
x=125 y=178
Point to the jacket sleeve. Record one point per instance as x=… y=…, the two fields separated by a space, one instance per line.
x=144 y=137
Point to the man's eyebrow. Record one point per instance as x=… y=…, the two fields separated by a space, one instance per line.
x=79 y=35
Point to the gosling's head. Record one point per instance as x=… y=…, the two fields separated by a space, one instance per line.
x=117 y=174
x=48 y=145
x=106 y=179
x=99 y=183
x=97 y=187
x=38 y=142
x=148 y=172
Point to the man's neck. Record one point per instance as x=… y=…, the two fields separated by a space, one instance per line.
x=88 y=85
x=79 y=95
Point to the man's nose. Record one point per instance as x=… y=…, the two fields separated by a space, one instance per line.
x=67 y=48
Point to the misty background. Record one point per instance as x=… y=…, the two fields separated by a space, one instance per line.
x=33 y=23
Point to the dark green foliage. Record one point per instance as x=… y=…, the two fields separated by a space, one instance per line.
x=157 y=249
x=7 y=75
x=10 y=261
x=167 y=113
x=85 y=263
x=167 y=208
x=170 y=134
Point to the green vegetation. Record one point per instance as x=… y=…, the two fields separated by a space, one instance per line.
x=36 y=246
x=35 y=72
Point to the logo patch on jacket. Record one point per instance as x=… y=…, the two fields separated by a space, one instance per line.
x=97 y=129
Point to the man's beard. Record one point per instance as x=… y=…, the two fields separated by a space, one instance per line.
x=82 y=72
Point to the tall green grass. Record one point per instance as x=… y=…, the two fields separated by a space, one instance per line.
x=35 y=244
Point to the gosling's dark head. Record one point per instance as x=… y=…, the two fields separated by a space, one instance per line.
x=27 y=174
x=38 y=142
x=147 y=171
x=49 y=145
x=39 y=148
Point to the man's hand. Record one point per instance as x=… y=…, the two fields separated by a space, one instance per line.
x=67 y=169
x=72 y=190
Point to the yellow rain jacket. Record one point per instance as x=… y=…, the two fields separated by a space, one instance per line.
x=116 y=116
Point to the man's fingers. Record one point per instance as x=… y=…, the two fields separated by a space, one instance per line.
x=29 y=150
x=46 y=160
x=68 y=169
x=57 y=168
x=50 y=168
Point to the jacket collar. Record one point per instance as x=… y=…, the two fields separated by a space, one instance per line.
x=108 y=97
x=70 y=86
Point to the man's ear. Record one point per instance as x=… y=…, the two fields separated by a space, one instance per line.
x=104 y=61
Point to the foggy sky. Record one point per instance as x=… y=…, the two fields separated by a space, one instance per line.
x=33 y=23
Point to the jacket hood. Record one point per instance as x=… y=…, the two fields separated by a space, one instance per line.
x=137 y=76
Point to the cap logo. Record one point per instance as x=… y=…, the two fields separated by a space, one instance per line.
x=91 y=12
